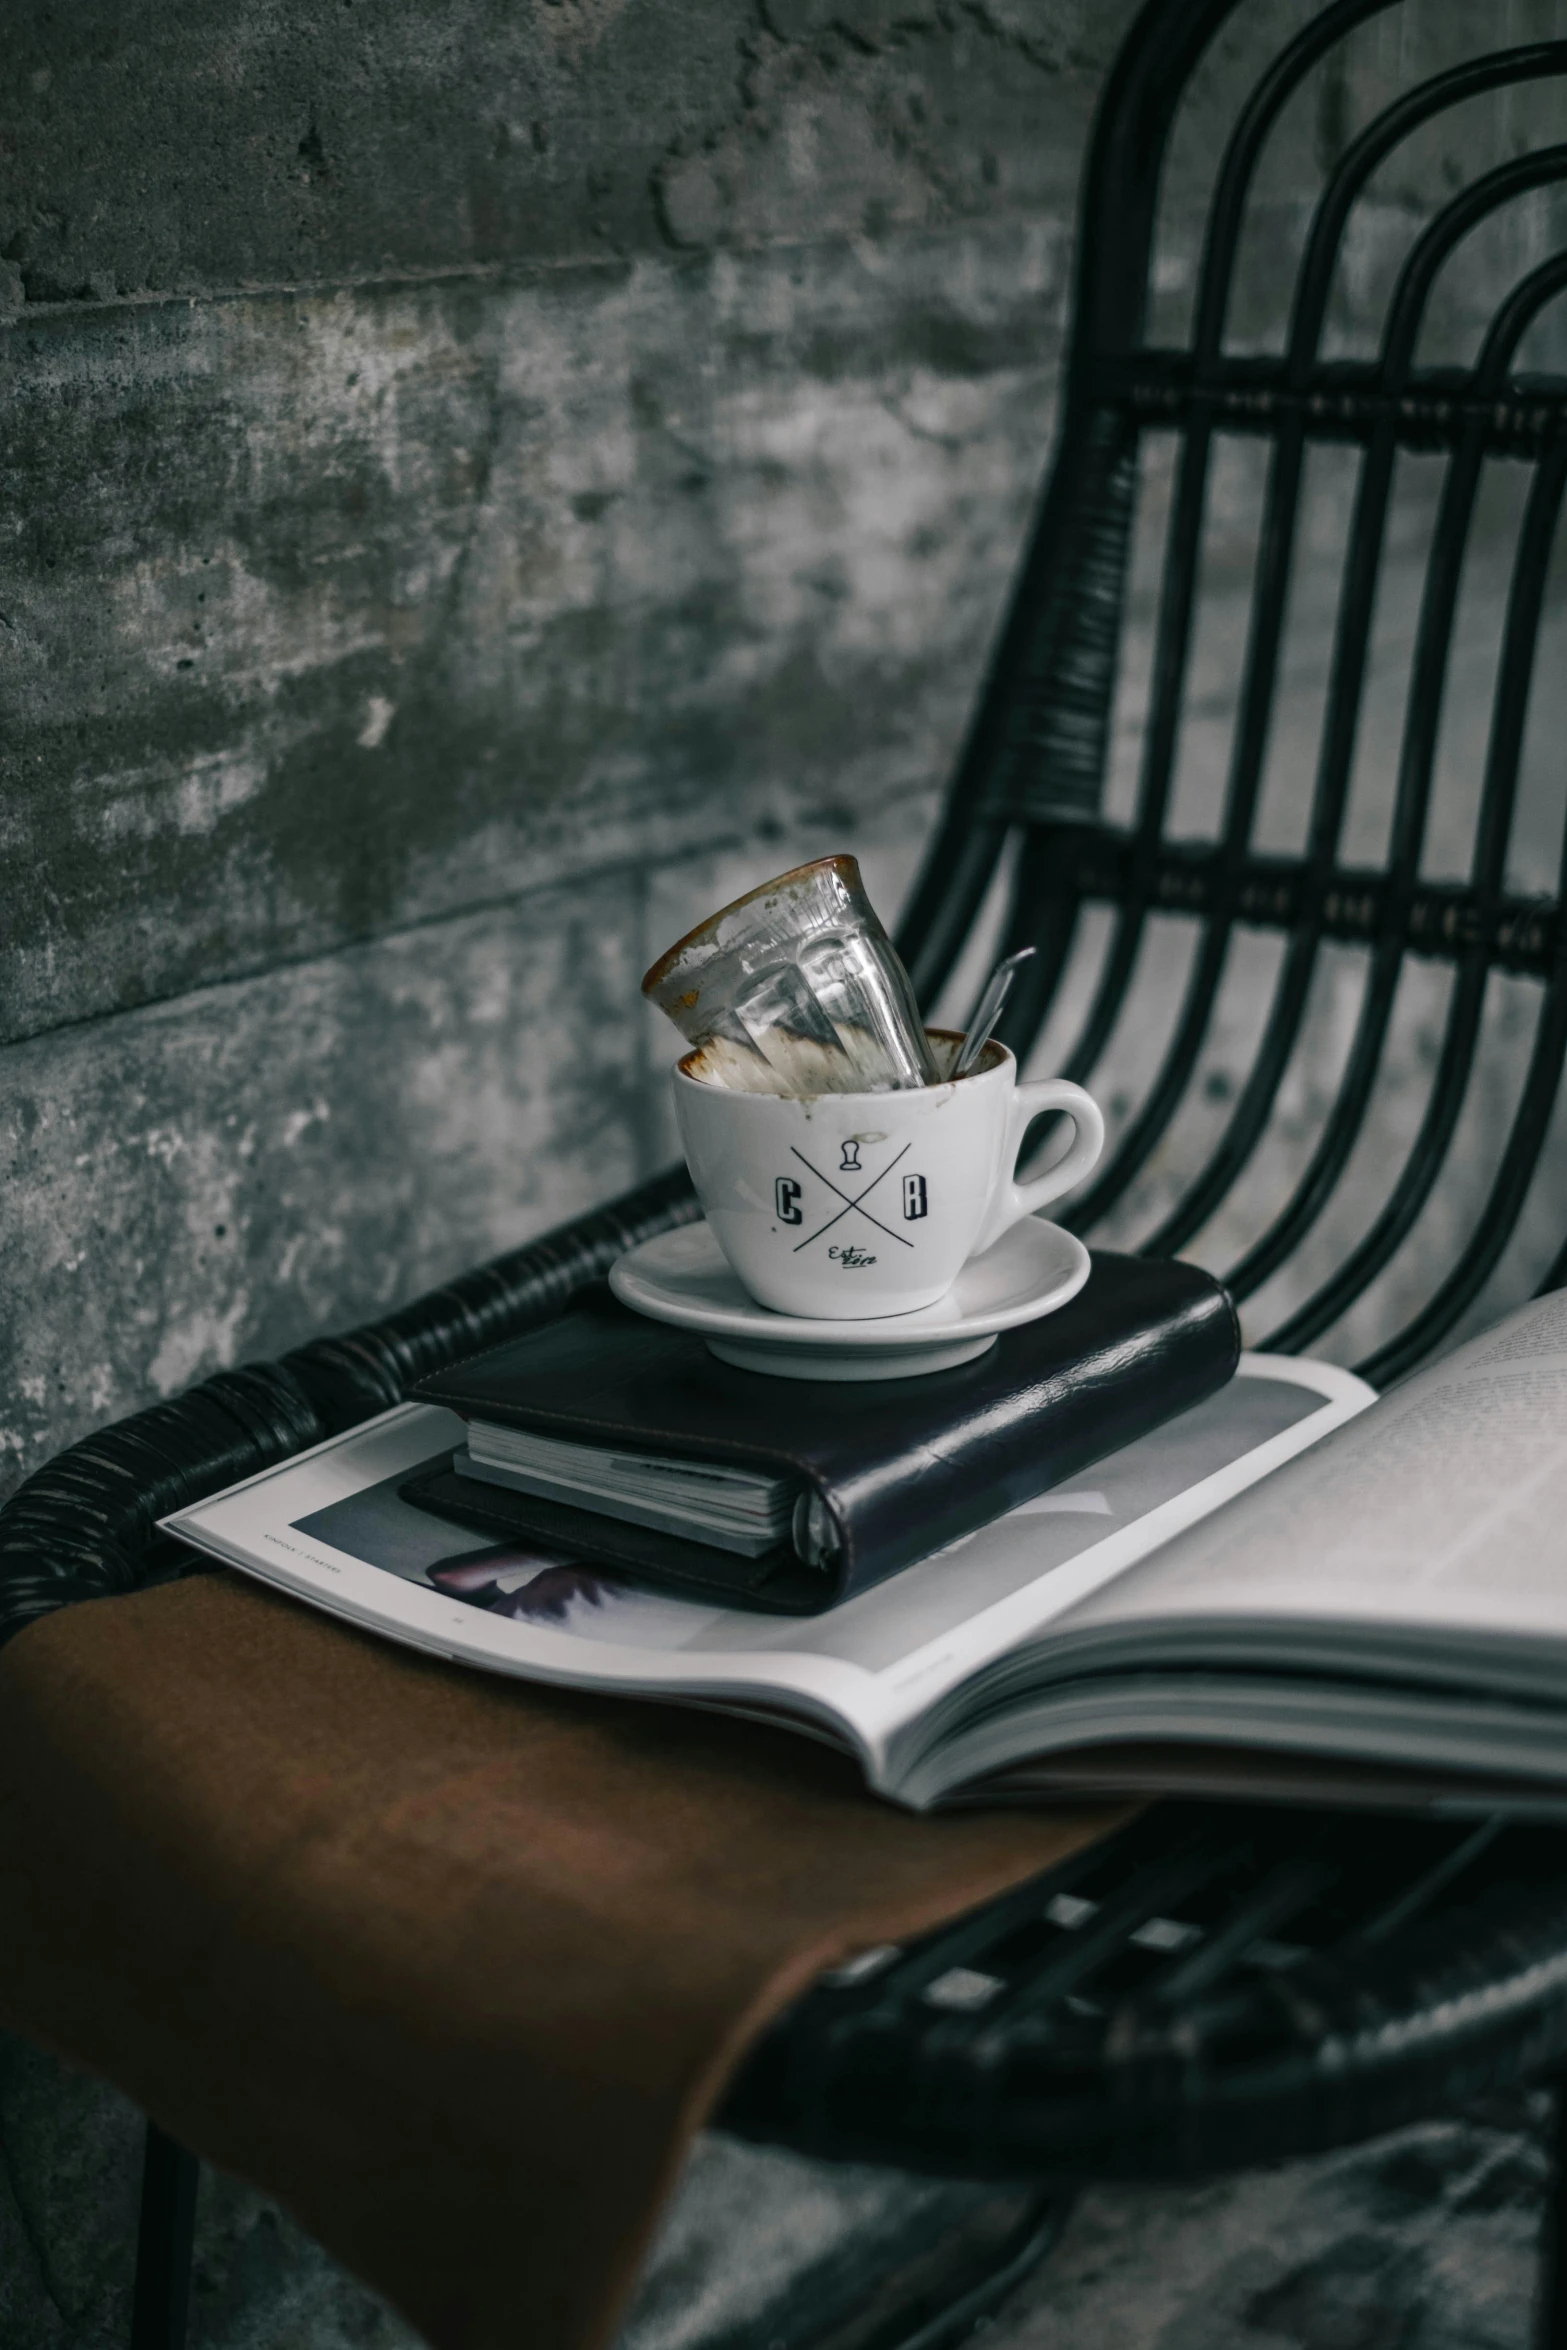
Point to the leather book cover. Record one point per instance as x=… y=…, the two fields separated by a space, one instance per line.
x=902 y=1466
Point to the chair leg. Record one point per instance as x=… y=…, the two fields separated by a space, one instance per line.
x=161 y=2302
x=1550 y=2306
x=1024 y=2249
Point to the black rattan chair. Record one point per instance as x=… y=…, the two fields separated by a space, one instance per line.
x=1215 y=1985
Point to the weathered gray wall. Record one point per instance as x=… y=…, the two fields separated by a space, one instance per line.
x=479 y=483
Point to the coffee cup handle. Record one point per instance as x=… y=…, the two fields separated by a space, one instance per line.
x=1012 y=1199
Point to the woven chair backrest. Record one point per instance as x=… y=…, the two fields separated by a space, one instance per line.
x=1149 y=420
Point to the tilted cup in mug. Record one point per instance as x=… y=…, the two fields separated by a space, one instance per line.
x=849 y=1206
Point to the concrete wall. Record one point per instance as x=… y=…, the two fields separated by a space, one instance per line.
x=479 y=483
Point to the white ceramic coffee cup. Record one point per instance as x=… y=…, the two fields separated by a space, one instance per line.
x=851 y=1205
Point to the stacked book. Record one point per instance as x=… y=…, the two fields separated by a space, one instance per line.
x=625 y=1440
x=1093 y=1561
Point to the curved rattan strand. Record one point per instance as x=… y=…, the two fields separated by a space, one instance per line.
x=1337 y=1140
x=1226 y=213
x=1503 y=1204
x=947 y=898
x=1080 y=628
x=1344 y=697
x=82 y=1527
x=1243 y=151
x=1429 y=1150
x=1172 y=647
x=1505 y=68
x=1493 y=829
x=1170 y=1084
x=1047 y=697
x=1346 y=690
x=1326 y=1979
x=1406 y=312
x=1247 y=1124
x=1043 y=916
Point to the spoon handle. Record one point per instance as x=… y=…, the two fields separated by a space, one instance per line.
x=988 y=1011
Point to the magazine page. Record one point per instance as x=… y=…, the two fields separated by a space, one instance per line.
x=1431 y=1533
x=1431 y=1745
x=331 y=1526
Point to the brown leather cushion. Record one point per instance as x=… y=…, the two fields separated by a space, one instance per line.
x=451 y=1965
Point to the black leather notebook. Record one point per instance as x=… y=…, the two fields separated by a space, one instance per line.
x=900 y=1466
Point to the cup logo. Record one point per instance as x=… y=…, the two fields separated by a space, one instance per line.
x=850 y=1217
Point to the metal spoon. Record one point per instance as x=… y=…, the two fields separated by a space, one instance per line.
x=988 y=1011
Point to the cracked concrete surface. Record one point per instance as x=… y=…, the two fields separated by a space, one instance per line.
x=460 y=596
x=323 y=145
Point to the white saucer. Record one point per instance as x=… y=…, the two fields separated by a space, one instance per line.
x=683 y=1277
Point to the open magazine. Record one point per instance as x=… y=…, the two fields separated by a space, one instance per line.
x=1293 y=1588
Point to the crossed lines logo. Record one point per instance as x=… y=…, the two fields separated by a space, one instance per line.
x=788 y=1191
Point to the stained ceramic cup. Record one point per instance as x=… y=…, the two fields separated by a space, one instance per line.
x=853 y=1205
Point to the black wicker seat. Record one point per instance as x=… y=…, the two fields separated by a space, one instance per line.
x=1215 y=1985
